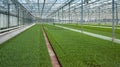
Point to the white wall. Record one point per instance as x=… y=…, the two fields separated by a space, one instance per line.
x=3 y=21
x=13 y=21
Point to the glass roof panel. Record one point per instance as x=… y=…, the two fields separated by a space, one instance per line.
x=43 y=8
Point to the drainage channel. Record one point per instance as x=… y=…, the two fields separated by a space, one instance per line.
x=53 y=57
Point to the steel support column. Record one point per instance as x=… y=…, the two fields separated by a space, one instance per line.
x=116 y=14
x=113 y=20
x=62 y=14
x=69 y=14
x=8 y=15
x=82 y=15
x=99 y=16
x=18 y=16
x=58 y=16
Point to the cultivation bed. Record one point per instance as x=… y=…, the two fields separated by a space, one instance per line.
x=96 y=30
x=91 y=34
x=78 y=50
x=27 y=49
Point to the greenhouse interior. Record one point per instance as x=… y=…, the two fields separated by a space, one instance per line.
x=59 y=33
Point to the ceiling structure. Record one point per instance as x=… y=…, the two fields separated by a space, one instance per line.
x=45 y=8
x=42 y=8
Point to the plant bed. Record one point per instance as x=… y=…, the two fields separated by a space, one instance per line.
x=27 y=49
x=96 y=30
x=78 y=50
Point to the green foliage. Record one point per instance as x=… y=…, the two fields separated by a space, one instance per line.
x=78 y=50
x=97 y=30
x=28 y=49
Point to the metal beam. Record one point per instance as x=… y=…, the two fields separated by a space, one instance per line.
x=82 y=15
x=113 y=20
x=8 y=15
x=52 y=6
x=61 y=7
x=43 y=8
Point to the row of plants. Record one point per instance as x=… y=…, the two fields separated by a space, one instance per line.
x=97 y=30
x=27 y=49
x=90 y=24
x=75 y=49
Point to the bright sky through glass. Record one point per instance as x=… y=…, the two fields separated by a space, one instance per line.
x=51 y=6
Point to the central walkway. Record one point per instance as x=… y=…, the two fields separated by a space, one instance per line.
x=54 y=60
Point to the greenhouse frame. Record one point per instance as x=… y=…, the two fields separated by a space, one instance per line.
x=59 y=33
